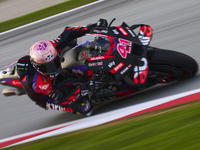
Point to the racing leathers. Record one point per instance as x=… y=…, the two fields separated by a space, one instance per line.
x=42 y=89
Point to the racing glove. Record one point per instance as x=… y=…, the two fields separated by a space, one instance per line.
x=100 y=23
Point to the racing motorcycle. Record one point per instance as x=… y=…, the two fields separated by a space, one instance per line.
x=125 y=59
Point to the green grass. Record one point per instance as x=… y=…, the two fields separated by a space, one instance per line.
x=176 y=128
x=16 y=22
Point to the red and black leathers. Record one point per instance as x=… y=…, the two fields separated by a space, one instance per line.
x=69 y=34
x=42 y=89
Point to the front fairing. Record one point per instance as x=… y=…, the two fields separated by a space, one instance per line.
x=116 y=32
x=118 y=54
x=119 y=58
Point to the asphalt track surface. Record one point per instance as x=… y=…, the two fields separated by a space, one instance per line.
x=175 y=25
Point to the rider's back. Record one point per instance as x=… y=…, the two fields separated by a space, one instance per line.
x=26 y=73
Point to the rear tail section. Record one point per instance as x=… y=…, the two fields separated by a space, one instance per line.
x=9 y=77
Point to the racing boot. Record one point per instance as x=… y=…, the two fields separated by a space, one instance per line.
x=86 y=107
x=77 y=101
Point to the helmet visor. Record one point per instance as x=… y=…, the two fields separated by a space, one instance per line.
x=50 y=68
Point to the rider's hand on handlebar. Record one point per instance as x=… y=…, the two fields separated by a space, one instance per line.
x=102 y=23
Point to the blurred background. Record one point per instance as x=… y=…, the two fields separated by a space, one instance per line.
x=10 y=9
x=175 y=26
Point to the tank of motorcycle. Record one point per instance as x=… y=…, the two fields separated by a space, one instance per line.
x=91 y=46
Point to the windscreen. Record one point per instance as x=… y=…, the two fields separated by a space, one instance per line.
x=95 y=45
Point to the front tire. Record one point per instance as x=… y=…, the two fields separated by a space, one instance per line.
x=173 y=65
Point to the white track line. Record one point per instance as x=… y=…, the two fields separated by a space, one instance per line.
x=51 y=17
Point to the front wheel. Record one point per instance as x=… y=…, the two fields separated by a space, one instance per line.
x=170 y=65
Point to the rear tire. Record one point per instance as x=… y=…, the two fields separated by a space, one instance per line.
x=175 y=65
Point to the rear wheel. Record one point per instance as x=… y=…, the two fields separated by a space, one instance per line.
x=169 y=65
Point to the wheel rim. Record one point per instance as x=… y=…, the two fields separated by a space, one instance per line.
x=170 y=73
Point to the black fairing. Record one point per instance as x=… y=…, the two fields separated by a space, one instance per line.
x=118 y=34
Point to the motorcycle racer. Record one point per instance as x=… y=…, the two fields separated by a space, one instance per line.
x=39 y=70
x=116 y=54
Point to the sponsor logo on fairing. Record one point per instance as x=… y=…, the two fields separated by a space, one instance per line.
x=115 y=31
x=140 y=72
x=95 y=64
x=122 y=30
x=100 y=58
x=111 y=64
x=77 y=71
x=125 y=69
x=85 y=54
x=119 y=66
x=102 y=31
x=97 y=58
x=133 y=35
